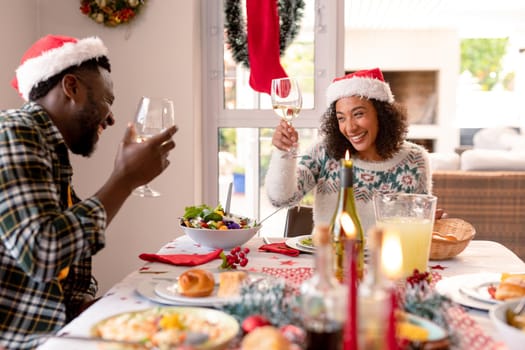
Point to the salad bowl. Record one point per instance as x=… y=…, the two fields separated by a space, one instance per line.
x=500 y=315
x=211 y=228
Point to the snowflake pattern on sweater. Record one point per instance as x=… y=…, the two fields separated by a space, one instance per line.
x=287 y=182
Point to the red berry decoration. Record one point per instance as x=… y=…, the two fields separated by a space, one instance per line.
x=254 y=321
x=236 y=257
x=293 y=333
x=418 y=277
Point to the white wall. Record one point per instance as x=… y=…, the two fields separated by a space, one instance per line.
x=399 y=50
x=158 y=53
x=18 y=28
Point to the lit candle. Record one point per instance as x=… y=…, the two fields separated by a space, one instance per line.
x=350 y=330
x=391 y=256
x=346 y=169
x=391 y=265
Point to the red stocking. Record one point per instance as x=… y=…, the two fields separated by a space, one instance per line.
x=263 y=44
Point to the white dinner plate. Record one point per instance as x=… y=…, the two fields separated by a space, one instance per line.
x=295 y=242
x=220 y=327
x=480 y=291
x=169 y=290
x=146 y=289
x=306 y=238
x=453 y=286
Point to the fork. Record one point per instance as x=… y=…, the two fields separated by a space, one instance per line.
x=193 y=339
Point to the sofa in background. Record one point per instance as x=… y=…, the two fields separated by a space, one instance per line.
x=492 y=201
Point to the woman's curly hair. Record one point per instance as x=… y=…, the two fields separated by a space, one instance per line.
x=392 y=130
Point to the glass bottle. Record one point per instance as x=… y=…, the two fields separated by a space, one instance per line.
x=373 y=298
x=323 y=299
x=346 y=203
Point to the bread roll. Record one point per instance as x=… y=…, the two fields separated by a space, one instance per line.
x=230 y=283
x=265 y=338
x=196 y=283
x=511 y=286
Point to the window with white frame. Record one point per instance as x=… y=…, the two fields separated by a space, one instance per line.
x=238 y=122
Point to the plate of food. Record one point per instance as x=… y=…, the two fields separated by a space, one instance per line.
x=302 y=243
x=199 y=287
x=484 y=291
x=494 y=288
x=454 y=287
x=168 y=327
x=306 y=242
x=510 y=325
x=146 y=289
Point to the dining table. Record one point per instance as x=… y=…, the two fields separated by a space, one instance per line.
x=137 y=290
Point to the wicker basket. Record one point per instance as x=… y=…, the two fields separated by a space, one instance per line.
x=442 y=249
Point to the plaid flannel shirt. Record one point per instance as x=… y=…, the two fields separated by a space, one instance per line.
x=40 y=235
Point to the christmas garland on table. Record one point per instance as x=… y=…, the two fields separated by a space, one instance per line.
x=111 y=12
x=290 y=15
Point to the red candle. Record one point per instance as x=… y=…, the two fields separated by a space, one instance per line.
x=391 y=266
x=350 y=330
x=391 y=342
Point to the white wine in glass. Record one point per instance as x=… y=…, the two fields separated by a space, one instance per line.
x=287 y=102
x=153 y=116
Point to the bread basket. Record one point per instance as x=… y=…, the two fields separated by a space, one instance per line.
x=454 y=236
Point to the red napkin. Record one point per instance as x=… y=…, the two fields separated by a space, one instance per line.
x=280 y=248
x=182 y=259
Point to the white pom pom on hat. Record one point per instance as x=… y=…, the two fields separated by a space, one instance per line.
x=364 y=83
x=51 y=55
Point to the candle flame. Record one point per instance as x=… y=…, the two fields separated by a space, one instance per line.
x=348 y=226
x=347 y=155
x=391 y=256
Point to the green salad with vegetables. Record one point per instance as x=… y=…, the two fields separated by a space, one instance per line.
x=206 y=217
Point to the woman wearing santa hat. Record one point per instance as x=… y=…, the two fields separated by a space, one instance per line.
x=48 y=235
x=363 y=118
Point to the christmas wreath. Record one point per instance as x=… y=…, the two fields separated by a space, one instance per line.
x=111 y=12
x=290 y=15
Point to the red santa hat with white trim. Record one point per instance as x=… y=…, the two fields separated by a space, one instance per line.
x=364 y=83
x=51 y=55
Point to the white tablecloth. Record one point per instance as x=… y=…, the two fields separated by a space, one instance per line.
x=480 y=256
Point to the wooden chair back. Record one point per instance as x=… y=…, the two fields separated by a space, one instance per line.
x=299 y=221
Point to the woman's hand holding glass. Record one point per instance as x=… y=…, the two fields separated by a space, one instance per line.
x=285 y=136
x=287 y=102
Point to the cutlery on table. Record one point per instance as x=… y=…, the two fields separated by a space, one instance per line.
x=152 y=272
x=228 y=199
x=192 y=338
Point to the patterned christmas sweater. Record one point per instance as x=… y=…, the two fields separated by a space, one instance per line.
x=287 y=181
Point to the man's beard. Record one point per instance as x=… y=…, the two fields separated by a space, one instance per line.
x=85 y=144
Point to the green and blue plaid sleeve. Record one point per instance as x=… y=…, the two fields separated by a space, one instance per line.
x=40 y=235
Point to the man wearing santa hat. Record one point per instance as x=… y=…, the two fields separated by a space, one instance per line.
x=48 y=234
x=363 y=118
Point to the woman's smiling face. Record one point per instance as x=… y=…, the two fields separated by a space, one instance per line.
x=357 y=119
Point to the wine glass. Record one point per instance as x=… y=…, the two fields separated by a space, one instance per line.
x=153 y=116
x=287 y=102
